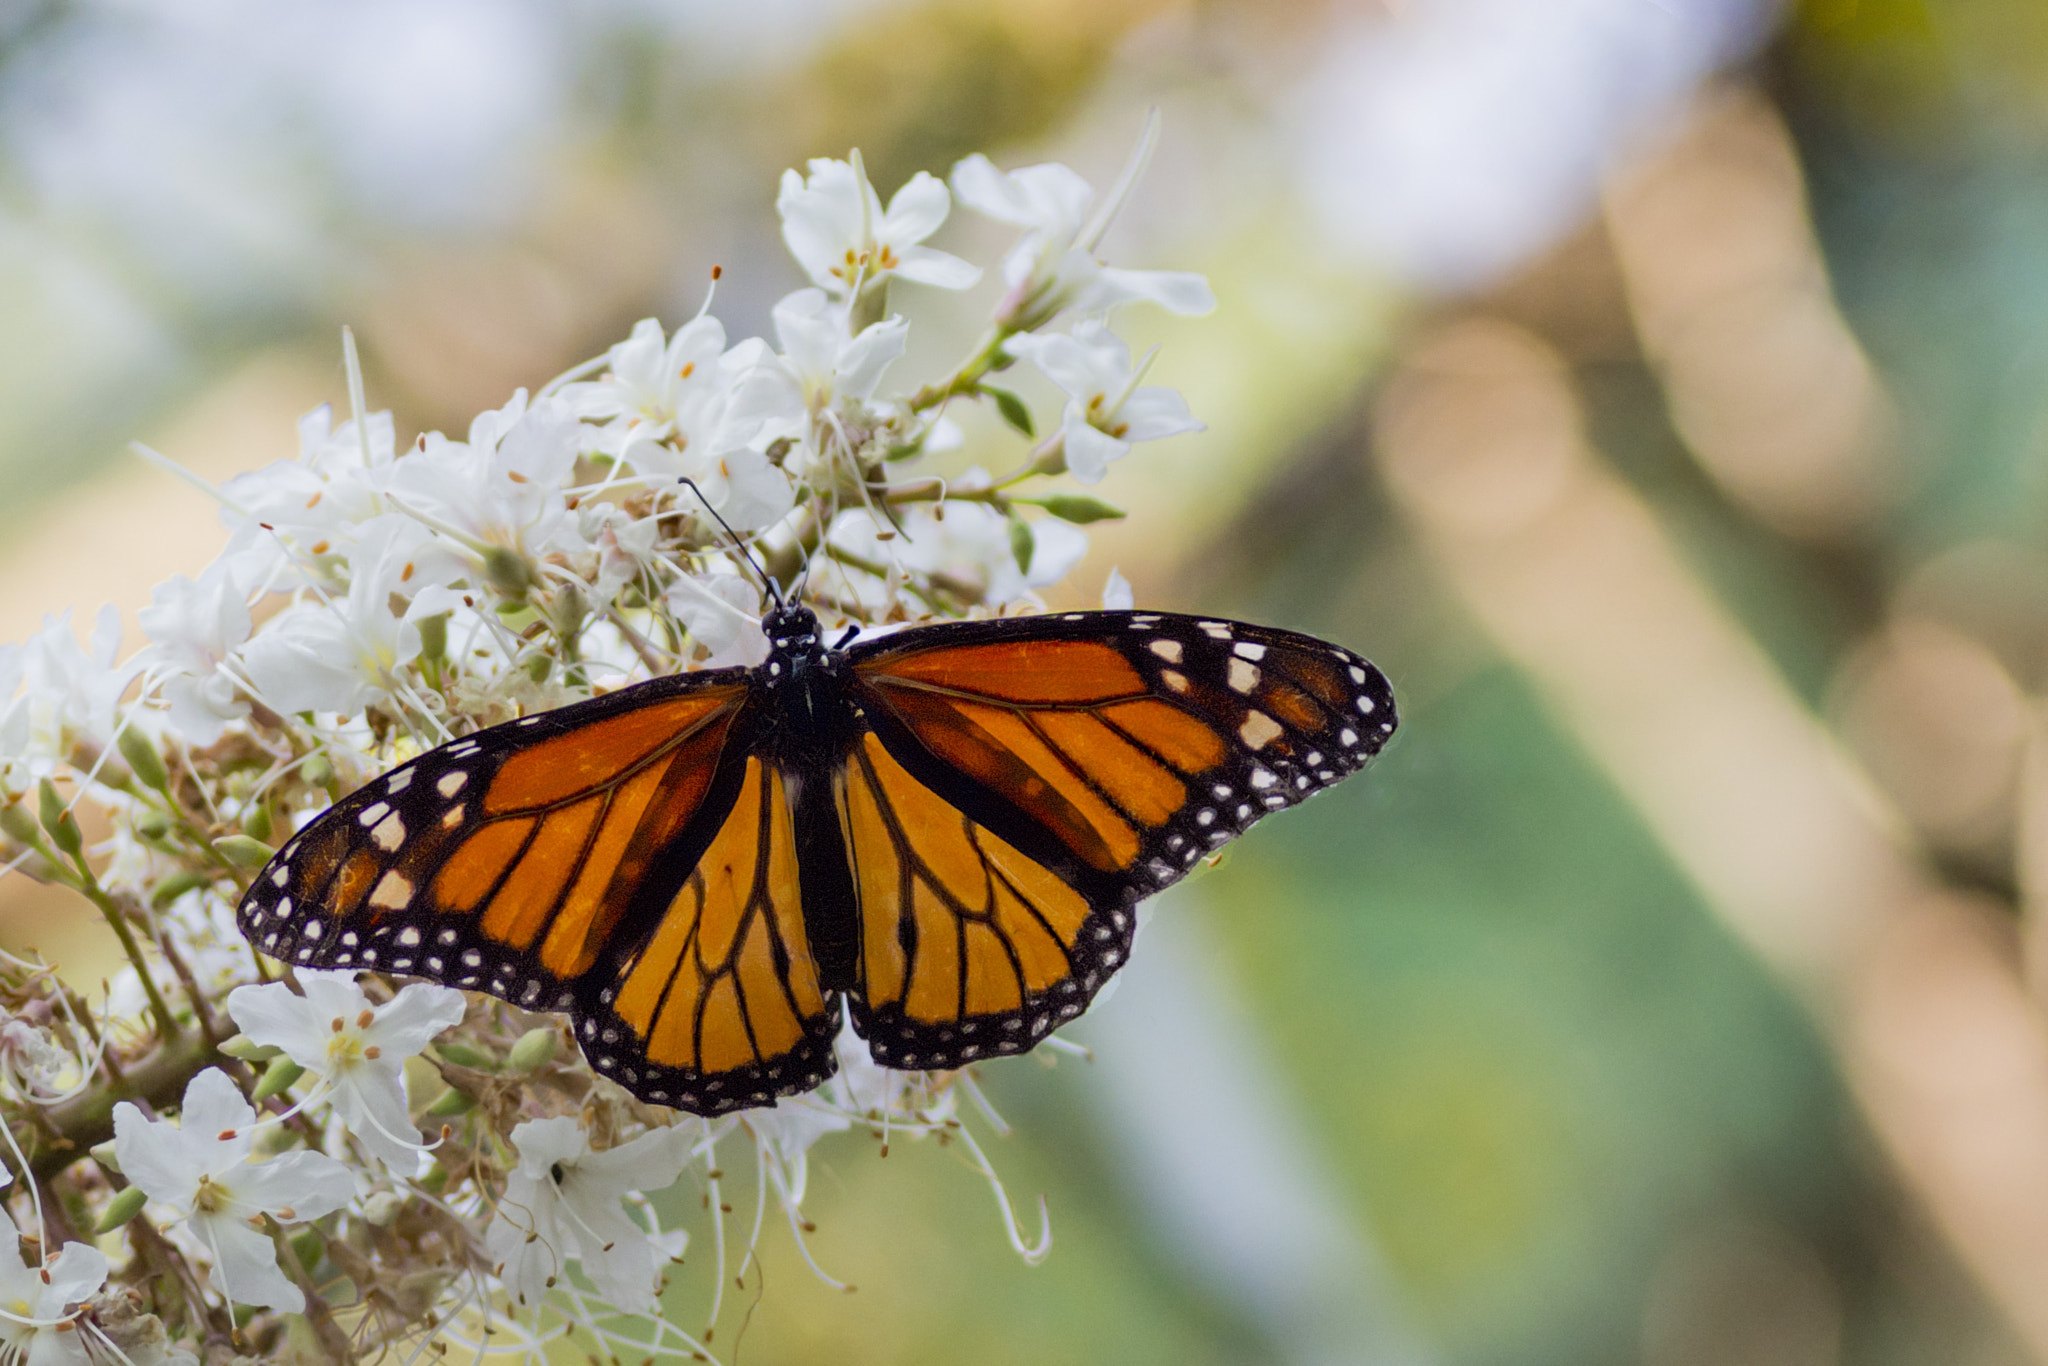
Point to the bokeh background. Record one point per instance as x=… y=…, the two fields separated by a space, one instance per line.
x=1658 y=389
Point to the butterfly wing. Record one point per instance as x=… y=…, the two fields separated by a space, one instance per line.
x=548 y=862
x=1027 y=781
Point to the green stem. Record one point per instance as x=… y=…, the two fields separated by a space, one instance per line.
x=969 y=376
x=167 y=1025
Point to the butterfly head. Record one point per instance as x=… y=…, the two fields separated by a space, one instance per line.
x=792 y=629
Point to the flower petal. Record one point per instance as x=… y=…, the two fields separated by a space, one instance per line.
x=418 y=1013
x=940 y=269
x=306 y=1184
x=1088 y=450
x=247 y=1270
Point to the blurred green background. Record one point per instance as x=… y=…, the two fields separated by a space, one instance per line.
x=1475 y=1060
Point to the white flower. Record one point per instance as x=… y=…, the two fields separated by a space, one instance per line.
x=836 y=228
x=1054 y=266
x=819 y=365
x=562 y=1202
x=39 y=1306
x=15 y=777
x=503 y=489
x=200 y=1167
x=1106 y=410
x=970 y=548
x=305 y=510
x=338 y=655
x=718 y=612
x=193 y=628
x=671 y=392
x=356 y=1050
x=73 y=692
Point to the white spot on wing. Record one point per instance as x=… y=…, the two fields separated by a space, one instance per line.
x=1243 y=677
x=1258 y=731
x=1246 y=649
x=392 y=893
x=1168 y=650
x=451 y=782
x=389 y=834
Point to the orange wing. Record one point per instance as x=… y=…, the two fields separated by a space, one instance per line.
x=1028 y=781
x=721 y=1007
x=511 y=861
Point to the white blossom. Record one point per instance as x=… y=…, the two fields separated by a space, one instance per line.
x=839 y=233
x=74 y=691
x=718 y=612
x=563 y=1203
x=40 y=1306
x=502 y=489
x=1107 y=411
x=1116 y=593
x=670 y=392
x=355 y=1049
x=818 y=365
x=194 y=627
x=200 y=1167
x=1054 y=267
x=340 y=654
x=970 y=547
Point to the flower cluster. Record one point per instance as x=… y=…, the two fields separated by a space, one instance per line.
x=219 y=1156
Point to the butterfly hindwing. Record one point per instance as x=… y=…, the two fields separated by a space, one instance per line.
x=720 y=1006
x=1088 y=760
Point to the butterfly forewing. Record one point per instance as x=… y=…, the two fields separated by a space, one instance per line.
x=1100 y=753
x=506 y=861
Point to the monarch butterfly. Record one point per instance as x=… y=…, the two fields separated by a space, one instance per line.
x=946 y=828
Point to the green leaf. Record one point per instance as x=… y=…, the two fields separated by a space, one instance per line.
x=1022 y=542
x=1014 y=410
x=1079 y=508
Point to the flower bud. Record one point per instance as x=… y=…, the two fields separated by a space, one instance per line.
x=103 y=1153
x=143 y=759
x=61 y=824
x=451 y=1103
x=19 y=825
x=121 y=1209
x=462 y=1055
x=507 y=571
x=536 y=1049
x=243 y=851
x=382 y=1208
x=175 y=886
x=281 y=1073
x=152 y=825
x=247 y=1049
x=317 y=770
x=256 y=822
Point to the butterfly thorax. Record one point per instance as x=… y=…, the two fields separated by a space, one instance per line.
x=811 y=725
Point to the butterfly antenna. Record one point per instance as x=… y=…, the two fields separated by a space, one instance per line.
x=739 y=545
